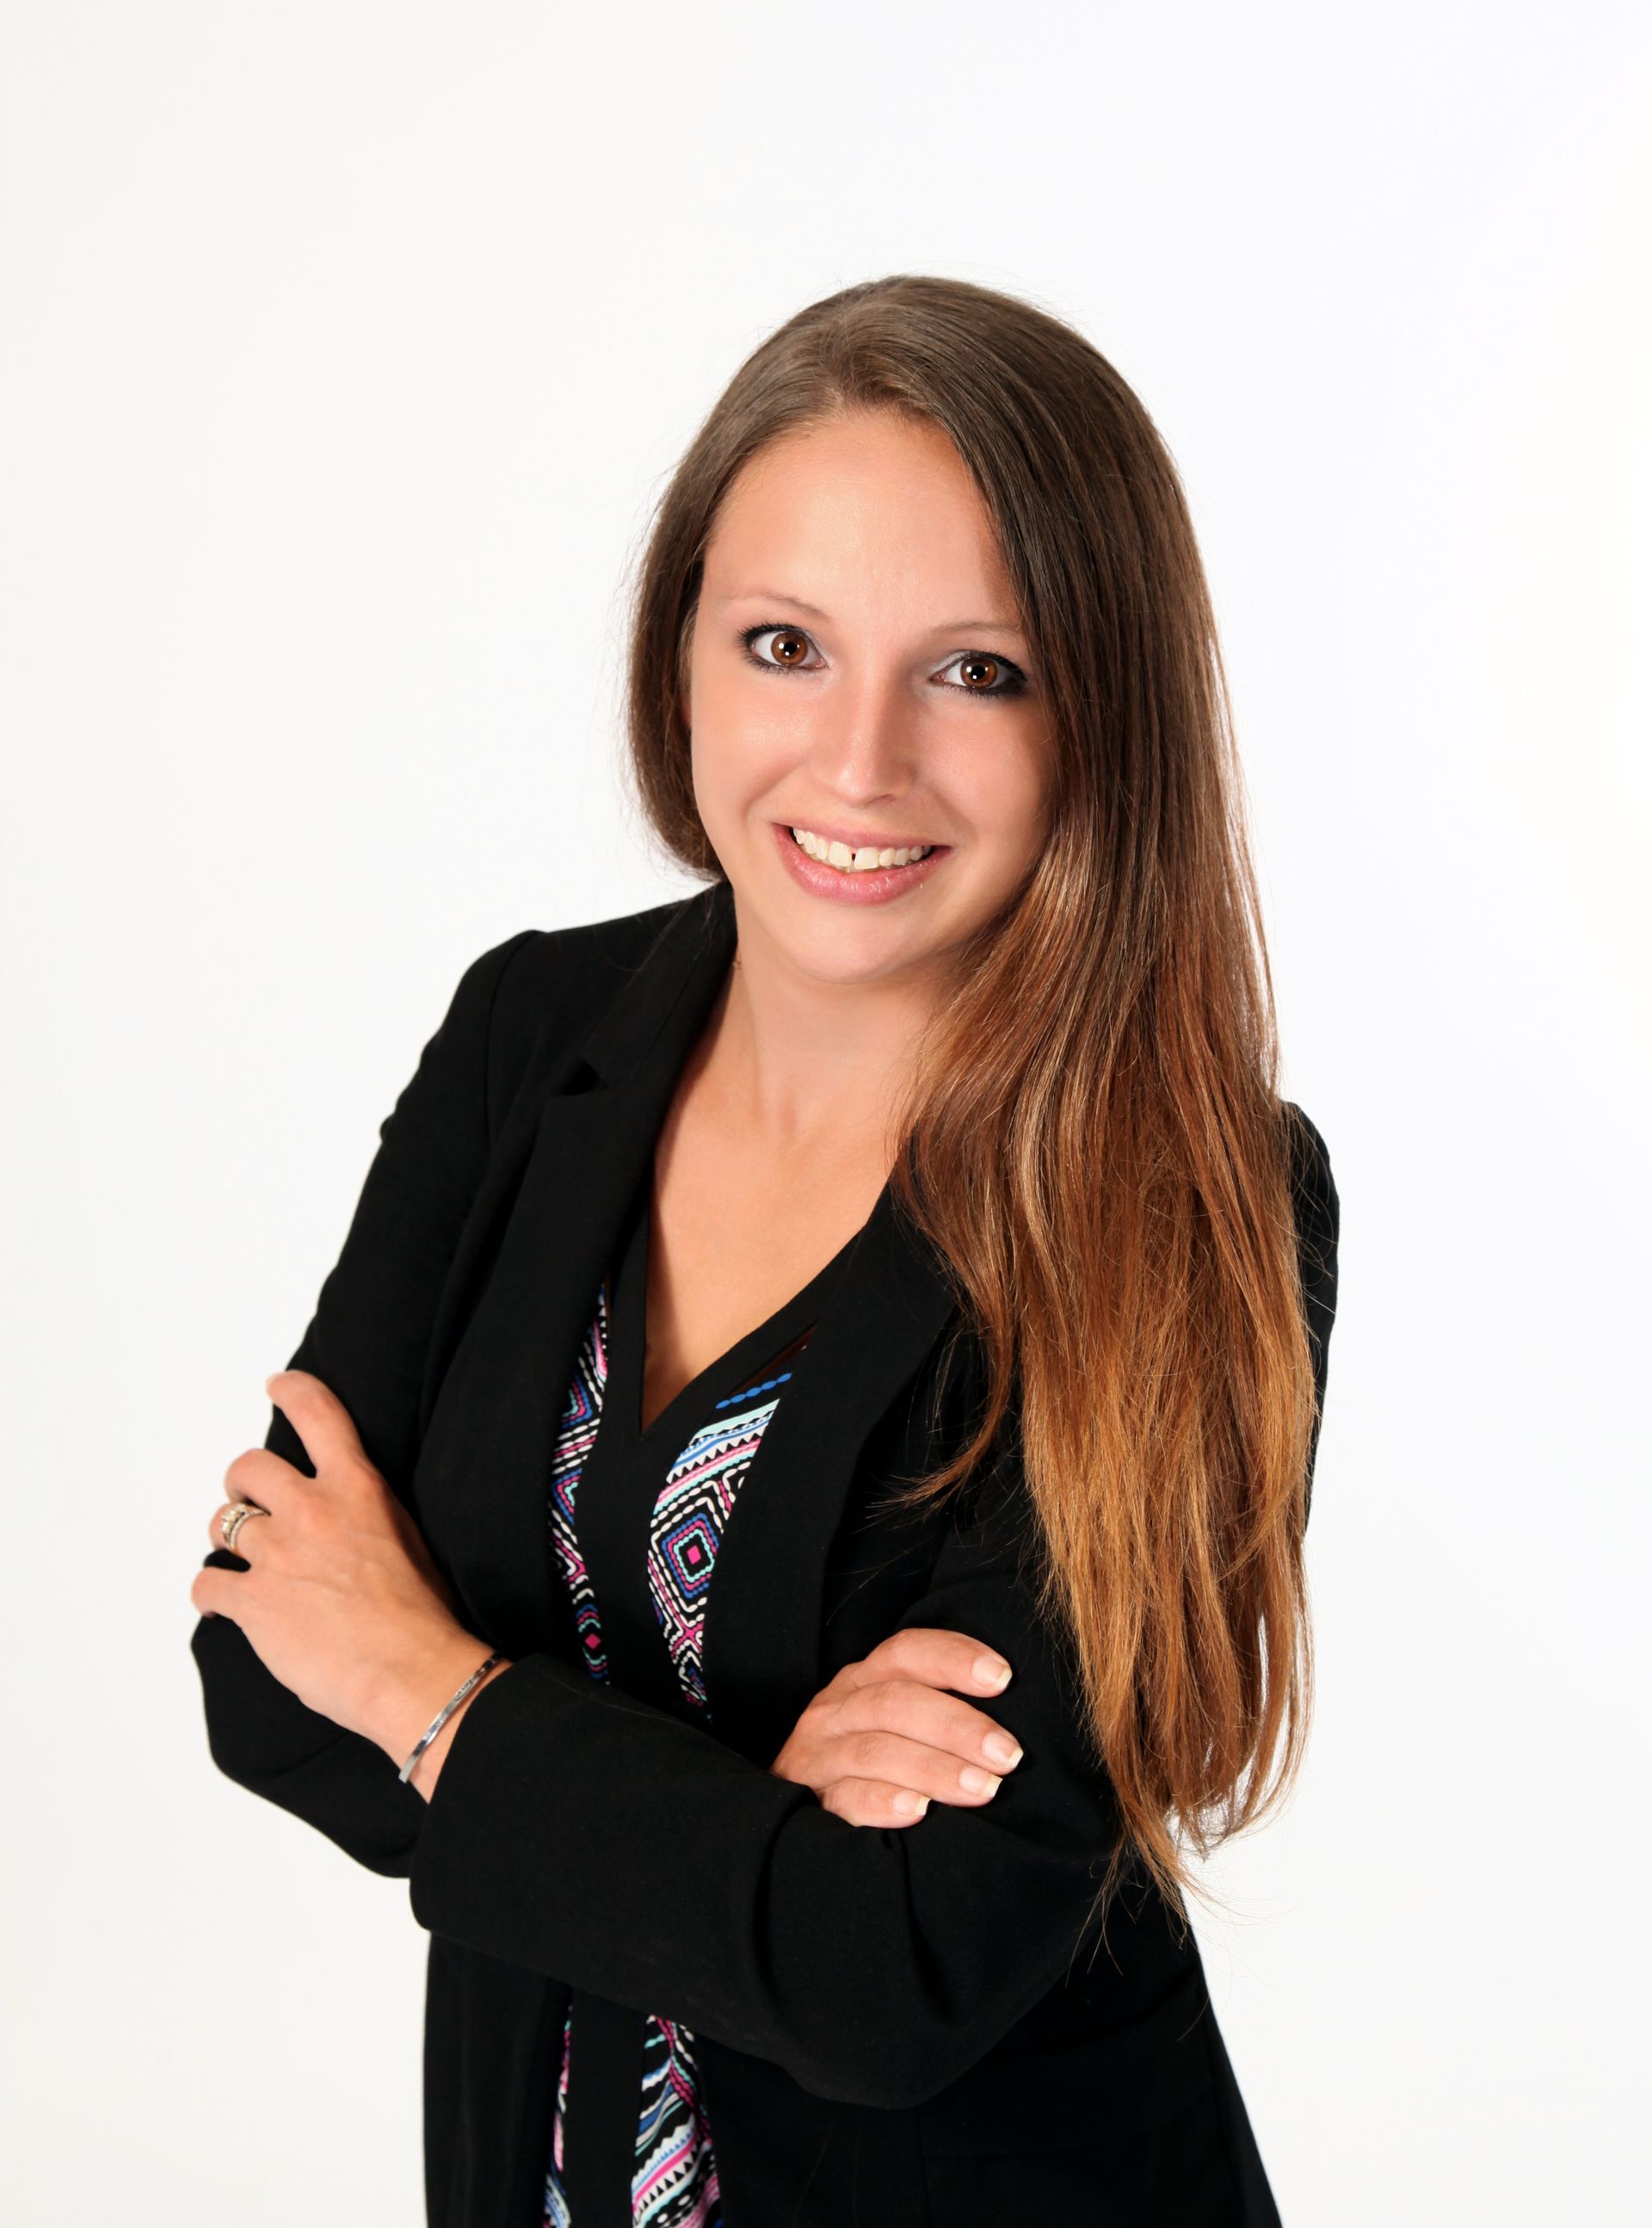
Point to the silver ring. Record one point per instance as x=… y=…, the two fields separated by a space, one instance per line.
x=235 y=1515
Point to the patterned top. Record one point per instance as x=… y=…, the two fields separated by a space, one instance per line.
x=674 y=2179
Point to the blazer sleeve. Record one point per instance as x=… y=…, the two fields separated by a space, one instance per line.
x=367 y=1340
x=586 y=1834
x=583 y=1833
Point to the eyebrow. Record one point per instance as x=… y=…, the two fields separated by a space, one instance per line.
x=947 y=626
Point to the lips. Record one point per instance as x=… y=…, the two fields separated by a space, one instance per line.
x=854 y=886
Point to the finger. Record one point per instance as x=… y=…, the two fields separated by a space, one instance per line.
x=213 y=1593
x=260 y=1476
x=873 y=1802
x=935 y=1656
x=318 y=1415
x=924 y=1713
x=215 y=1529
x=904 y=1762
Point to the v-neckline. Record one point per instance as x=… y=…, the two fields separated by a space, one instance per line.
x=730 y=1370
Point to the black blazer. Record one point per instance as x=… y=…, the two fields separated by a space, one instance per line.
x=894 y=2026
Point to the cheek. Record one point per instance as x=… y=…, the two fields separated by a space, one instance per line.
x=1008 y=797
x=741 y=742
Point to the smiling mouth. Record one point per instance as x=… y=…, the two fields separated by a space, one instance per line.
x=858 y=859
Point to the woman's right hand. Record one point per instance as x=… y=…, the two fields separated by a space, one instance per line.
x=890 y=1732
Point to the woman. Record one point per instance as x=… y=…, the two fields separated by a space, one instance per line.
x=802 y=1459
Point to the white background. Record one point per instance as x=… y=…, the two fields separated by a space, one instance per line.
x=345 y=348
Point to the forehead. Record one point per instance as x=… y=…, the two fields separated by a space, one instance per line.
x=867 y=497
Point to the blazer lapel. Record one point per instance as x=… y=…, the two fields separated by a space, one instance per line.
x=481 y=1484
x=762 y=1645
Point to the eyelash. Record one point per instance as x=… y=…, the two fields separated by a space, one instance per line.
x=1016 y=682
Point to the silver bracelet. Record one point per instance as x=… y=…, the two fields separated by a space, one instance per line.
x=441 y=1719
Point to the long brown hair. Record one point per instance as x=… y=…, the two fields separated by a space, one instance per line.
x=1097 y=1147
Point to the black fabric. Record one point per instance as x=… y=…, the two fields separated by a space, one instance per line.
x=619 y=1482
x=894 y=2026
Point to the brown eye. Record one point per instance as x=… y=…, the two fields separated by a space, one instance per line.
x=778 y=649
x=983 y=677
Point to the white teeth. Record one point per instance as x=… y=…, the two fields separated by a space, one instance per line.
x=858 y=861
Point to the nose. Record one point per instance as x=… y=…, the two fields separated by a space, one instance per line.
x=865 y=741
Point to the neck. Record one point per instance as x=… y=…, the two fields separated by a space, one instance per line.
x=809 y=1065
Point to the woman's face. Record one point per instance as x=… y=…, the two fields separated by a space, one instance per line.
x=858 y=673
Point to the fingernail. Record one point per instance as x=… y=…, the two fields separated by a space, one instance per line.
x=976 y=1782
x=1003 y=1750
x=992 y=1671
x=910 y=1805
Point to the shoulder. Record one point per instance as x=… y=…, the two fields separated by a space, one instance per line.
x=529 y=995
x=551 y=979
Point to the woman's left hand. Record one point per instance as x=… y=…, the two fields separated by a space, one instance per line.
x=342 y=1601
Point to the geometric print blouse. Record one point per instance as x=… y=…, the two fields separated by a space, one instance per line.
x=673 y=2175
